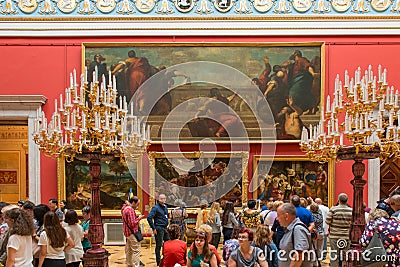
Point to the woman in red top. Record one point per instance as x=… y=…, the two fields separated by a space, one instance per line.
x=174 y=250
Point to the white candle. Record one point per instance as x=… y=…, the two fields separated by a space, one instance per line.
x=135 y=124
x=85 y=76
x=384 y=77
x=396 y=99
x=379 y=73
x=148 y=132
x=346 y=79
x=328 y=104
x=341 y=140
x=75 y=84
x=61 y=102
x=83 y=120
x=125 y=105
x=120 y=102
x=144 y=131
x=71 y=81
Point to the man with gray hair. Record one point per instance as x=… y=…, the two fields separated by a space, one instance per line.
x=339 y=221
x=296 y=242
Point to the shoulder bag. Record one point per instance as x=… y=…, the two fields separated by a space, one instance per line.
x=374 y=254
x=137 y=234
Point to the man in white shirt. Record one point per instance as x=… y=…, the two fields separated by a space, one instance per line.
x=324 y=209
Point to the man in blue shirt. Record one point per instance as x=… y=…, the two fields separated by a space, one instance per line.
x=302 y=213
x=158 y=221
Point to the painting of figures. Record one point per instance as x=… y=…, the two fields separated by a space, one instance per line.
x=219 y=90
x=288 y=177
x=194 y=178
x=117 y=182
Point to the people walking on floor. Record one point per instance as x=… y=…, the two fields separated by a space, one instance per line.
x=53 y=205
x=214 y=220
x=388 y=229
x=324 y=210
x=74 y=255
x=302 y=213
x=131 y=225
x=85 y=226
x=228 y=221
x=174 y=250
x=200 y=252
x=247 y=255
x=297 y=238
x=230 y=245
x=158 y=221
x=6 y=234
x=53 y=241
x=318 y=236
x=201 y=217
x=178 y=216
x=251 y=216
x=262 y=240
x=339 y=221
x=19 y=245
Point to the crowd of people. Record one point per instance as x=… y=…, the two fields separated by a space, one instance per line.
x=275 y=234
x=42 y=235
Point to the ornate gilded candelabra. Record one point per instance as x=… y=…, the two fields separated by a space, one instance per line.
x=369 y=111
x=91 y=125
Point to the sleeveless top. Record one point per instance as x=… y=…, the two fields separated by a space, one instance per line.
x=254 y=260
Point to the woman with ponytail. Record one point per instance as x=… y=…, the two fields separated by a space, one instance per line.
x=19 y=246
x=53 y=241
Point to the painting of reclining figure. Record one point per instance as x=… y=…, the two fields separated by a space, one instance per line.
x=216 y=90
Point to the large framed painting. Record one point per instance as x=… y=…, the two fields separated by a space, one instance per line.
x=117 y=182
x=235 y=91
x=193 y=177
x=288 y=176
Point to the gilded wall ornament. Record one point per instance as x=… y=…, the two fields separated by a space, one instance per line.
x=27 y=6
x=223 y=5
x=105 y=6
x=302 y=5
x=66 y=6
x=341 y=5
x=262 y=6
x=184 y=6
x=380 y=5
x=145 y=6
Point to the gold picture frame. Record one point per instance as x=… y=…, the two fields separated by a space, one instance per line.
x=112 y=195
x=293 y=175
x=234 y=159
x=252 y=63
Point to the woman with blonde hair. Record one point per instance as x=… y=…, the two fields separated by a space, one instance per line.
x=19 y=246
x=263 y=240
x=214 y=220
x=53 y=241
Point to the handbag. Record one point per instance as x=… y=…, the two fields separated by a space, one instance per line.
x=137 y=234
x=374 y=255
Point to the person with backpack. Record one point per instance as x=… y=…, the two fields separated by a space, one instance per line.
x=263 y=240
x=178 y=216
x=297 y=238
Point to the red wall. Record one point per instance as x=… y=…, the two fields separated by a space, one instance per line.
x=42 y=66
